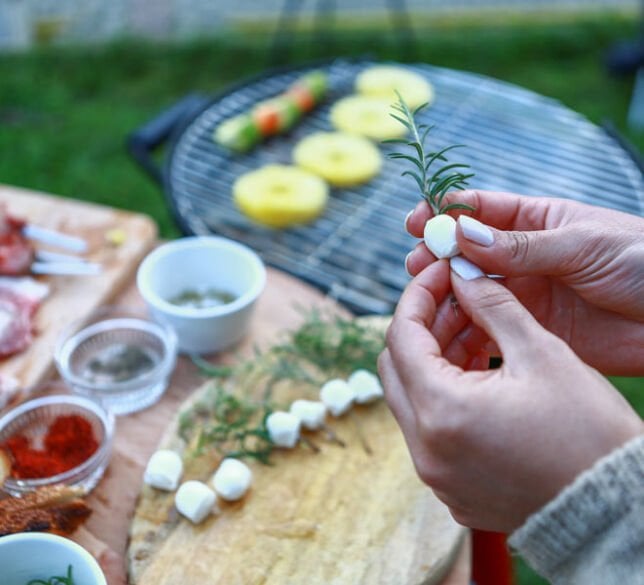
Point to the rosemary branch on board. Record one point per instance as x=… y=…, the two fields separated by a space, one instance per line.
x=230 y=419
x=447 y=178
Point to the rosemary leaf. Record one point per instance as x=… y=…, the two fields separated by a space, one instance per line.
x=458 y=206
x=447 y=177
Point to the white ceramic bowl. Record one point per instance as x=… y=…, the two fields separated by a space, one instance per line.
x=202 y=263
x=36 y=555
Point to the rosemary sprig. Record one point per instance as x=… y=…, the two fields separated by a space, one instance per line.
x=449 y=177
x=68 y=580
x=230 y=418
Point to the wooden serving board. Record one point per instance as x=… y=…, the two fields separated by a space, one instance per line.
x=343 y=516
x=74 y=297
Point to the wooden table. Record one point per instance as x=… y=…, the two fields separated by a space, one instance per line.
x=137 y=435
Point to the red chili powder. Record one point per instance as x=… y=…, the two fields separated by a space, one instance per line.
x=69 y=441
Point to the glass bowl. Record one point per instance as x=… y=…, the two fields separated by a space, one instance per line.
x=119 y=357
x=33 y=418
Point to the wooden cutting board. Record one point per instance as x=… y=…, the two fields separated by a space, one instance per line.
x=342 y=516
x=74 y=297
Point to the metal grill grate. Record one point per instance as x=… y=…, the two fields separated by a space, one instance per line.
x=516 y=141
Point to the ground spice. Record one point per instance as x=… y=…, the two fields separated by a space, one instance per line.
x=68 y=442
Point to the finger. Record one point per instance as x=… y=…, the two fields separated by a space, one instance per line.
x=497 y=311
x=506 y=211
x=394 y=392
x=449 y=322
x=417 y=218
x=403 y=411
x=554 y=252
x=465 y=346
x=409 y=340
x=418 y=259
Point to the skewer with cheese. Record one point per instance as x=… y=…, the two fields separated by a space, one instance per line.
x=337 y=396
x=283 y=429
x=232 y=479
x=310 y=412
x=164 y=470
x=366 y=386
x=195 y=500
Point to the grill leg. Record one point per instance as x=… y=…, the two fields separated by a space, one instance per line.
x=324 y=21
x=401 y=22
x=278 y=51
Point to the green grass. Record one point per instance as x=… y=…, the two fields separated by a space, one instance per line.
x=65 y=112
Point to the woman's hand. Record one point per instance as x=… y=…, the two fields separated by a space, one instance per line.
x=578 y=269
x=494 y=445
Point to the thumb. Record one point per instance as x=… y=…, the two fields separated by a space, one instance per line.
x=516 y=253
x=497 y=311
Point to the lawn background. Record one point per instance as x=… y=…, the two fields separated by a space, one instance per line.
x=65 y=112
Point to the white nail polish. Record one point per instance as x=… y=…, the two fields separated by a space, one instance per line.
x=475 y=231
x=464 y=268
x=407 y=260
x=407 y=220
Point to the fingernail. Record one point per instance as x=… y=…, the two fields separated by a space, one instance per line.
x=475 y=231
x=407 y=220
x=406 y=260
x=464 y=268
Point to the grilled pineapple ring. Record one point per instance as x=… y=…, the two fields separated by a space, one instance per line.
x=385 y=80
x=367 y=116
x=280 y=195
x=342 y=159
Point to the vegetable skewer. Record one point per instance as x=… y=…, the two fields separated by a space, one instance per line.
x=273 y=116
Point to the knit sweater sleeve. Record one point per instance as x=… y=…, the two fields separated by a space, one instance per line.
x=593 y=531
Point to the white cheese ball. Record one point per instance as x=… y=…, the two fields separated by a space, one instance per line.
x=366 y=386
x=232 y=479
x=310 y=412
x=195 y=500
x=440 y=236
x=337 y=396
x=283 y=428
x=164 y=470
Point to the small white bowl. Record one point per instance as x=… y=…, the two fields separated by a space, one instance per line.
x=36 y=555
x=202 y=264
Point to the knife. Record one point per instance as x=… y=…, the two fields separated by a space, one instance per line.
x=53 y=238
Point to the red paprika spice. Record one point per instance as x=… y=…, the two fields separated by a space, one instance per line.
x=68 y=442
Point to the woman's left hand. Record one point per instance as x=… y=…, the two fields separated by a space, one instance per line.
x=495 y=445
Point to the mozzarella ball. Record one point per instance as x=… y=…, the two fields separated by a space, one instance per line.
x=337 y=396
x=164 y=470
x=195 y=500
x=232 y=479
x=366 y=386
x=440 y=236
x=283 y=428
x=310 y=412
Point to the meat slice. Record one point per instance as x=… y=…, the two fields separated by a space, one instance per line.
x=15 y=323
x=16 y=252
x=9 y=390
x=19 y=300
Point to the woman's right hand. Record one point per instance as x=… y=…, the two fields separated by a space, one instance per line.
x=579 y=269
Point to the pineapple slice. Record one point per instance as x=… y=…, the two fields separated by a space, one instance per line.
x=280 y=195
x=367 y=116
x=385 y=80
x=342 y=159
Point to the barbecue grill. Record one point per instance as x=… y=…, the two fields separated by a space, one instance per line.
x=516 y=141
